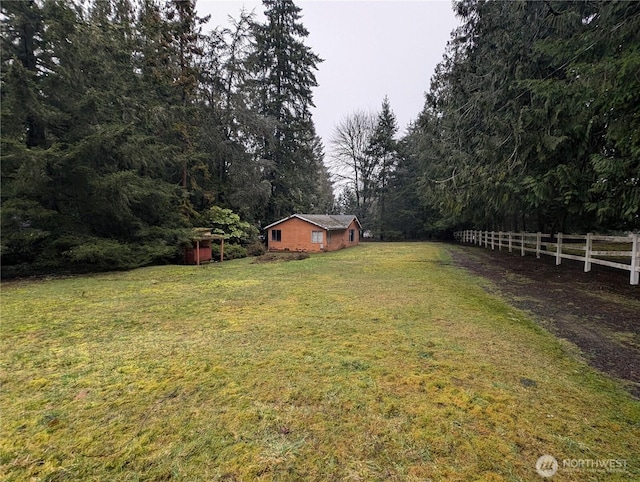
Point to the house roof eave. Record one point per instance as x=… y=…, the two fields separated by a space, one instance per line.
x=278 y=222
x=307 y=219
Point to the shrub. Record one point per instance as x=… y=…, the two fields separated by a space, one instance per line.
x=99 y=254
x=225 y=221
x=231 y=251
x=256 y=249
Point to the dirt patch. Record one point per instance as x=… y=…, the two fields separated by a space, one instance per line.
x=279 y=257
x=598 y=311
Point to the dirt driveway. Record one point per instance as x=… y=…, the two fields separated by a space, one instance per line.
x=598 y=311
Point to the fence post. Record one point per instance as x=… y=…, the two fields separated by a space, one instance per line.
x=559 y=249
x=587 y=253
x=510 y=245
x=522 y=239
x=538 y=243
x=635 y=262
x=499 y=240
x=493 y=240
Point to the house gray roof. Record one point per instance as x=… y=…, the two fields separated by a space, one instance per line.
x=330 y=222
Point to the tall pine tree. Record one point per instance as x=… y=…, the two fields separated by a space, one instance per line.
x=284 y=76
x=383 y=150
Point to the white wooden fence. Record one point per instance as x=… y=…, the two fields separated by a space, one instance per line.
x=590 y=248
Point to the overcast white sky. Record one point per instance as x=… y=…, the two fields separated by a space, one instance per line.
x=370 y=49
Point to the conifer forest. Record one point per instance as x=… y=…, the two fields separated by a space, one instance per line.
x=126 y=123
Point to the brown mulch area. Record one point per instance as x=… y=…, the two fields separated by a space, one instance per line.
x=598 y=311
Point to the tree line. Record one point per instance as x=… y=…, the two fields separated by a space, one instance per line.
x=532 y=120
x=124 y=125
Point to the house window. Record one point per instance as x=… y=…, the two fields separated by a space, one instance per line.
x=352 y=235
x=316 y=236
x=276 y=235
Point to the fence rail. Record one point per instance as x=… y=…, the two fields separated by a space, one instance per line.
x=621 y=252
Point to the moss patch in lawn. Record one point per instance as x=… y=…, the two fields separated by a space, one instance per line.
x=381 y=362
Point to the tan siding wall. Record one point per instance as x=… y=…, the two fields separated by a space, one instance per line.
x=296 y=236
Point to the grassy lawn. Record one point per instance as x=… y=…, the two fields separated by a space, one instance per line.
x=381 y=362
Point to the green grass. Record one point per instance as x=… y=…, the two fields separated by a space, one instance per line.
x=381 y=362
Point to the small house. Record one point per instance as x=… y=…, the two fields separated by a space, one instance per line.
x=313 y=233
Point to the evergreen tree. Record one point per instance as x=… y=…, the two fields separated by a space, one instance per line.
x=284 y=76
x=25 y=220
x=22 y=37
x=231 y=130
x=407 y=217
x=592 y=100
x=525 y=126
x=170 y=61
x=84 y=191
x=383 y=150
